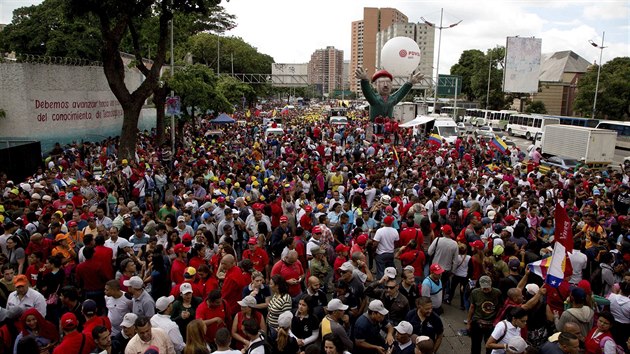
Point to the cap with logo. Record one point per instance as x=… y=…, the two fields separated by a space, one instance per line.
x=89 y=307
x=390 y=272
x=185 y=288
x=436 y=268
x=69 y=320
x=129 y=320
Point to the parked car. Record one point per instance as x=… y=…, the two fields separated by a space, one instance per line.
x=484 y=132
x=565 y=163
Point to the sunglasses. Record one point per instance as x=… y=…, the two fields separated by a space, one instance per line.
x=390 y=287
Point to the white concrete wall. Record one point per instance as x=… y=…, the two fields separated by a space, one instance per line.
x=58 y=103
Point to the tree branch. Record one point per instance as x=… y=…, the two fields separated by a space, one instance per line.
x=136 y=49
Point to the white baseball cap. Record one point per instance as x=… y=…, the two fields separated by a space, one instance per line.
x=185 y=288
x=134 y=282
x=517 y=345
x=390 y=272
x=162 y=303
x=336 y=304
x=377 y=305
x=248 y=301
x=129 y=320
x=284 y=320
x=404 y=327
x=410 y=269
x=346 y=267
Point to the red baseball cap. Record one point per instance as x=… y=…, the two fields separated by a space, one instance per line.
x=72 y=224
x=510 y=218
x=284 y=219
x=69 y=320
x=308 y=208
x=61 y=194
x=252 y=241
x=388 y=220
x=342 y=248
x=447 y=229
x=317 y=229
x=180 y=248
x=477 y=244
x=436 y=268
x=382 y=73
x=187 y=238
x=362 y=239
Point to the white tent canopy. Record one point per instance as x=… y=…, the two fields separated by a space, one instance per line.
x=417 y=121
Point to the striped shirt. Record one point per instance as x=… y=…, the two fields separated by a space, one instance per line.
x=277 y=305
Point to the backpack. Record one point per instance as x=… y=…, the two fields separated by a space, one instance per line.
x=262 y=343
x=618 y=348
x=597 y=285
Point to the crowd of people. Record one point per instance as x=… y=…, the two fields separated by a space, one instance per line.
x=316 y=241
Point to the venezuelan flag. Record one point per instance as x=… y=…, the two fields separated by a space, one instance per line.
x=499 y=144
x=273 y=113
x=435 y=139
x=284 y=111
x=396 y=158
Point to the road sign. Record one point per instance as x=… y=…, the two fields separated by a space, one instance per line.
x=447 y=84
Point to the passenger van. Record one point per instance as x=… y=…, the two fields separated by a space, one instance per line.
x=446 y=128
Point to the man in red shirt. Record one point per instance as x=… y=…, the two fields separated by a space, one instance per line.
x=189 y=278
x=232 y=289
x=291 y=270
x=39 y=243
x=103 y=255
x=410 y=233
x=92 y=320
x=179 y=263
x=73 y=340
x=92 y=278
x=257 y=255
x=215 y=313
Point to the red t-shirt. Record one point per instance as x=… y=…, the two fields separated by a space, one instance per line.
x=289 y=271
x=177 y=271
x=416 y=259
x=232 y=290
x=71 y=343
x=206 y=313
x=259 y=258
x=96 y=321
x=411 y=233
x=91 y=276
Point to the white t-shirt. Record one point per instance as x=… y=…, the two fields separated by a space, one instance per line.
x=231 y=351
x=500 y=330
x=386 y=236
x=578 y=262
x=116 y=310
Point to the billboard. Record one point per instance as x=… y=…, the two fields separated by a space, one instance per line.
x=522 y=64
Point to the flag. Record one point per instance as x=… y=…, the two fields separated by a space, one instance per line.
x=396 y=159
x=435 y=139
x=560 y=265
x=540 y=267
x=248 y=113
x=499 y=144
x=273 y=114
x=285 y=110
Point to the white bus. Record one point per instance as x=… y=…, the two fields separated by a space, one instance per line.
x=528 y=125
x=477 y=117
x=622 y=129
x=499 y=119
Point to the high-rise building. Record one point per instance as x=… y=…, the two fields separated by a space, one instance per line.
x=421 y=33
x=363 y=48
x=325 y=70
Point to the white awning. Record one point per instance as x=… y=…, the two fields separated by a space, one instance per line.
x=417 y=121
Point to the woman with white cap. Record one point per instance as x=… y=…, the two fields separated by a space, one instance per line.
x=285 y=342
x=247 y=312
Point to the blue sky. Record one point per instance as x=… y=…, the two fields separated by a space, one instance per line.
x=290 y=30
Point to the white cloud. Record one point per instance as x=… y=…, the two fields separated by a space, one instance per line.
x=607 y=10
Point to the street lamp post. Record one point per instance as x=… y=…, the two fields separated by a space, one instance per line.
x=599 y=69
x=437 y=68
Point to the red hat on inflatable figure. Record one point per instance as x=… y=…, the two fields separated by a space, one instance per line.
x=382 y=73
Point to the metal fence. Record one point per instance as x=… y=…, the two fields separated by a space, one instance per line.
x=43 y=59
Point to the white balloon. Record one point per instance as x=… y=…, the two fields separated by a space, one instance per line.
x=400 y=56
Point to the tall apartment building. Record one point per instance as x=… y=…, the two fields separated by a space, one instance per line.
x=325 y=70
x=421 y=33
x=364 y=32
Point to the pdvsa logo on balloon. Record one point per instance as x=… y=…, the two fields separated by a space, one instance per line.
x=402 y=53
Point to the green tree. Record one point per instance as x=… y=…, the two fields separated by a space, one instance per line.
x=234 y=90
x=613 y=97
x=466 y=67
x=536 y=107
x=46 y=29
x=117 y=18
